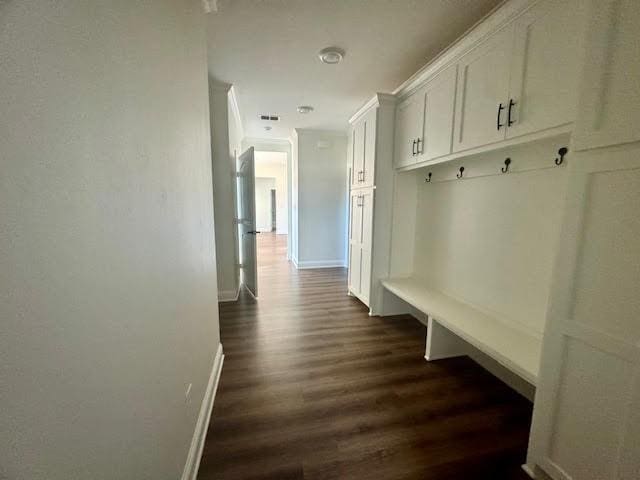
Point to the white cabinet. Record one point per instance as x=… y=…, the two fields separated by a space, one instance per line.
x=523 y=80
x=483 y=92
x=439 y=100
x=545 y=71
x=369 y=220
x=409 y=129
x=609 y=110
x=424 y=120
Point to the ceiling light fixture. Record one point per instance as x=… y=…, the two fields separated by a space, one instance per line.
x=305 y=109
x=331 y=55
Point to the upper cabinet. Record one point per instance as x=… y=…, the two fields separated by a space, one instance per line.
x=439 y=102
x=483 y=93
x=424 y=121
x=610 y=103
x=518 y=79
x=524 y=79
x=408 y=136
x=545 y=69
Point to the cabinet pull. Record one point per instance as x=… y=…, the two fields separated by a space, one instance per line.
x=509 y=121
x=418 y=151
x=413 y=148
x=500 y=108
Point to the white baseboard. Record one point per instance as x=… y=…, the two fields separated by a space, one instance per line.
x=319 y=264
x=190 y=471
x=228 y=295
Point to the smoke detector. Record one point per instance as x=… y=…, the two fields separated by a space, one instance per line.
x=305 y=109
x=331 y=55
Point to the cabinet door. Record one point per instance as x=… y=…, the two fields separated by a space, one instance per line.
x=609 y=111
x=358 y=153
x=483 y=92
x=368 y=167
x=547 y=59
x=586 y=422
x=366 y=243
x=355 y=240
x=409 y=127
x=440 y=96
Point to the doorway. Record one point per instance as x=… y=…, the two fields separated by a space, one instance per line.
x=271 y=207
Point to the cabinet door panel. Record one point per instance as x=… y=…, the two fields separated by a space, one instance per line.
x=548 y=52
x=409 y=126
x=438 y=117
x=367 y=218
x=609 y=106
x=358 y=153
x=369 y=149
x=354 y=268
x=483 y=85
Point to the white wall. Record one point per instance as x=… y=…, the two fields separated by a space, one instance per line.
x=274 y=165
x=320 y=179
x=223 y=151
x=264 y=185
x=107 y=263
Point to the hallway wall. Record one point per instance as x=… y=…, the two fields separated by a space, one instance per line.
x=108 y=307
x=320 y=187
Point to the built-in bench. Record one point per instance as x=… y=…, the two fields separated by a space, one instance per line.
x=516 y=350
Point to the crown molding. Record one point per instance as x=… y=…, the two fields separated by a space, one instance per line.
x=379 y=99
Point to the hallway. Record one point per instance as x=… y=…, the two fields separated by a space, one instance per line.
x=314 y=388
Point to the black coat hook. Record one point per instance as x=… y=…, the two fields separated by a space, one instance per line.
x=562 y=152
x=428 y=179
x=459 y=175
x=507 y=162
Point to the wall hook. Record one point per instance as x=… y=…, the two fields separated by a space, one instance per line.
x=562 y=152
x=459 y=175
x=428 y=179
x=507 y=162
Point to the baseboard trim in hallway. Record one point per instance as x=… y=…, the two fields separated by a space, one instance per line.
x=190 y=471
x=319 y=264
x=229 y=295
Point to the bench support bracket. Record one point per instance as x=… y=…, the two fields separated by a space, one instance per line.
x=442 y=343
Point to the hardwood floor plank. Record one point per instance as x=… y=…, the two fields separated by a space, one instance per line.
x=314 y=388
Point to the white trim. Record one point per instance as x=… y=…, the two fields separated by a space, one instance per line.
x=228 y=295
x=377 y=100
x=301 y=265
x=528 y=470
x=233 y=102
x=192 y=464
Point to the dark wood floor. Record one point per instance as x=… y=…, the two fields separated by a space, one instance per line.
x=314 y=388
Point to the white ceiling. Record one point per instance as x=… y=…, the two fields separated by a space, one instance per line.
x=268 y=50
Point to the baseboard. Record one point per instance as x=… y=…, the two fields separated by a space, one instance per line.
x=190 y=471
x=228 y=295
x=319 y=264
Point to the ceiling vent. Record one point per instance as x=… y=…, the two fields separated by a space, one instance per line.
x=271 y=118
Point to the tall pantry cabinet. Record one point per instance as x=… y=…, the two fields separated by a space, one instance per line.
x=371 y=187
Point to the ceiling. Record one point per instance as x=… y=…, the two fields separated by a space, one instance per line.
x=268 y=50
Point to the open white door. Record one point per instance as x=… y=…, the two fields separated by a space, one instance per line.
x=247 y=221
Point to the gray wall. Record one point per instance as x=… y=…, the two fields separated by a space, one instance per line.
x=108 y=305
x=320 y=159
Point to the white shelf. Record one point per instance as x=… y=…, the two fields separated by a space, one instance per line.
x=514 y=349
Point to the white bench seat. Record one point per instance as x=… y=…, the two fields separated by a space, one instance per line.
x=516 y=350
